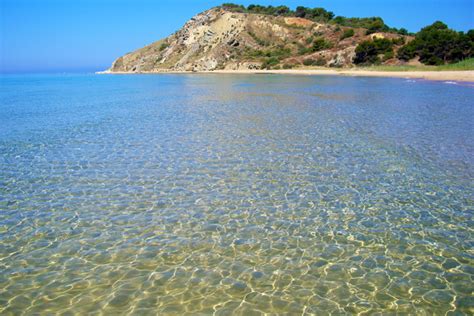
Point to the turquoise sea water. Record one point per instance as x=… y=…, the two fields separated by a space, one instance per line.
x=244 y=194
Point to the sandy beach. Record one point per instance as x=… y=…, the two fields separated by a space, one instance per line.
x=464 y=76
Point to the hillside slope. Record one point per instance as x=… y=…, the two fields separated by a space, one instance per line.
x=219 y=39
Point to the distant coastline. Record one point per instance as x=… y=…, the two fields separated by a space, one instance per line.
x=459 y=75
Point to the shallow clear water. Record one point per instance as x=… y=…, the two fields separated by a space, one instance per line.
x=204 y=194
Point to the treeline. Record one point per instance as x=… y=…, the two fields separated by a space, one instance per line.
x=319 y=14
x=435 y=44
x=373 y=25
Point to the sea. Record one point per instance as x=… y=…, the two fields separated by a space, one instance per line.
x=233 y=194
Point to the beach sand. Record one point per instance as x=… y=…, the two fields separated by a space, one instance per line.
x=465 y=75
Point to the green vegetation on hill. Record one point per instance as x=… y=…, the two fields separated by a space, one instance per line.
x=436 y=44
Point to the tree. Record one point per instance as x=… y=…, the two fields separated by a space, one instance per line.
x=282 y=10
x=403 y=31
x=300 y=12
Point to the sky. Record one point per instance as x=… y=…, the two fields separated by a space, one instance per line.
x=87 y=35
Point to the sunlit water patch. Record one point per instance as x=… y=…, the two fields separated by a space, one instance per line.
x=247 y=195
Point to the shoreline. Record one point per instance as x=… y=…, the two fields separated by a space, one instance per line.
x=460 y=75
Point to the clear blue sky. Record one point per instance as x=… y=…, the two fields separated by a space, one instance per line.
x=87 y=35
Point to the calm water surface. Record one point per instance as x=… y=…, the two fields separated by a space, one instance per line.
x=242 y=195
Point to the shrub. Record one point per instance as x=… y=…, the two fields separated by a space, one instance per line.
x=163 y=46
x=321 y=44
x=376 y=26
x=320 y=62
x=287 y=66
x=278 y=53
x=347 y=33
x=314 y=62
x=367 y=52
x=304 y=50
x=402 y=31
x=388 y=55
x=318 y=45
x=272 y=61
x=398 y=41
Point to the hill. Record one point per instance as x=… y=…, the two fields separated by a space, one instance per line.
x=232 y=37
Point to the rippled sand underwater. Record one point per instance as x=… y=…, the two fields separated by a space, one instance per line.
x=235 y=195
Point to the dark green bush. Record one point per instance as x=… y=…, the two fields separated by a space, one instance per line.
x=347 y=33
x=398 y=41
x=314 y=62
x=367 y=52
x=402 y=31
x=376 y=26
x=304 y=50
x=320 y=62
x=318 y=45
x=321 y=44
x=270 y=62
x=388 y=55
